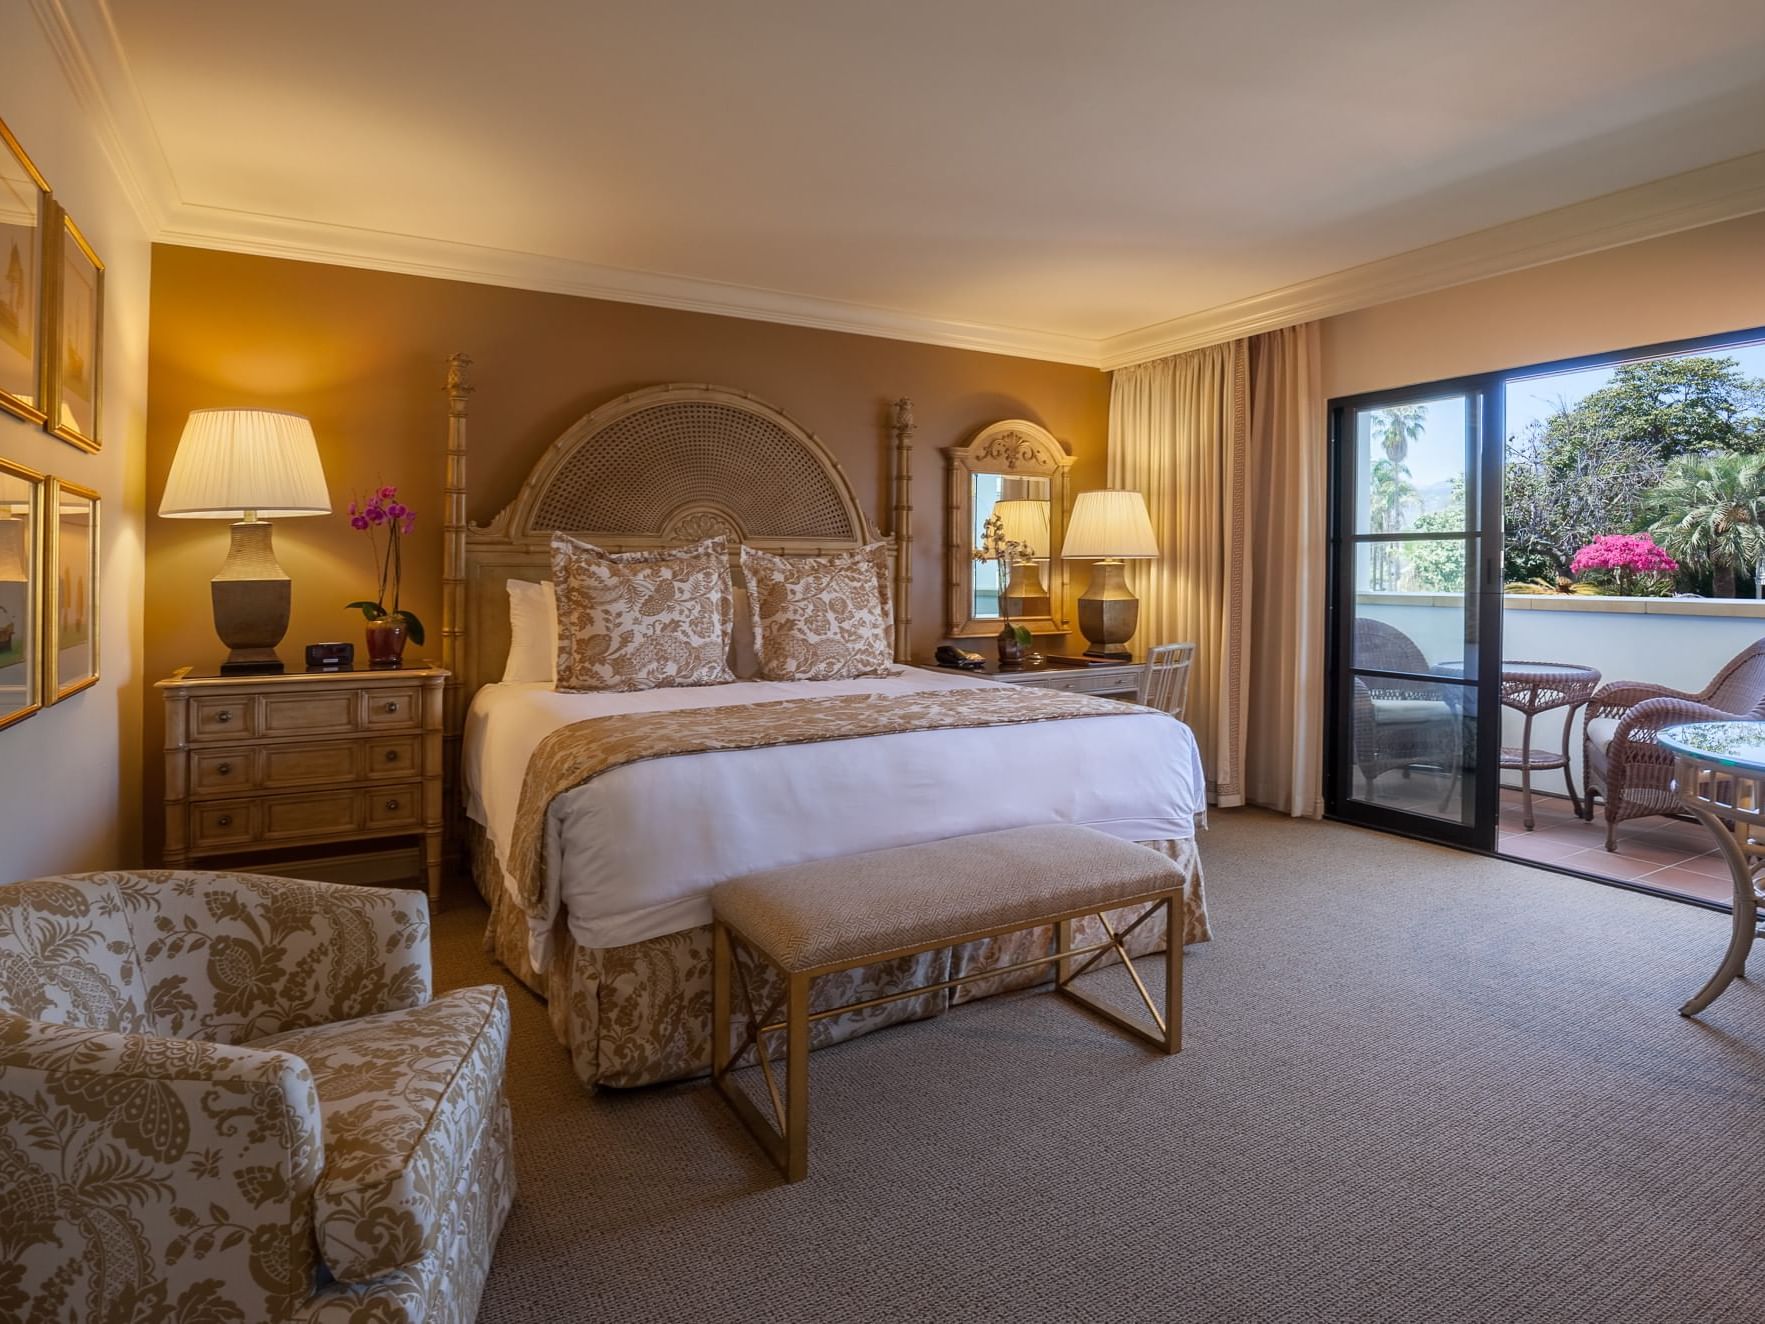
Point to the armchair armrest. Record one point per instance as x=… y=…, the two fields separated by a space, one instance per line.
x=1616 y=697
x=235 y=957
x=154 y=1178
x=1645 y=720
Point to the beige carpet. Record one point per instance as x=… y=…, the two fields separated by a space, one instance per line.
x=1417 y=1086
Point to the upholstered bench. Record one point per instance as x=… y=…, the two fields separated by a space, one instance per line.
x=822 y=918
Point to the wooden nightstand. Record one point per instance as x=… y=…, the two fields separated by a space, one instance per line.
x=306 y=758
x=1114 y=681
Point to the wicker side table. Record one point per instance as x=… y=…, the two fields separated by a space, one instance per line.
x=1532 y=688
x=1719 y=776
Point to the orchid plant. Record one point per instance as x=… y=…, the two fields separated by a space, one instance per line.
x=1005 y=553
x=386 y=520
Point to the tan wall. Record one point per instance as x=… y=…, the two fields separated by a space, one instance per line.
x=70 y=776
x=1698 y=283
x=361 y=353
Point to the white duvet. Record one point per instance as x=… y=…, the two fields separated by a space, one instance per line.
x=634 y=853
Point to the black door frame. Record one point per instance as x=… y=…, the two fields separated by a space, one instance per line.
x=1483 y=613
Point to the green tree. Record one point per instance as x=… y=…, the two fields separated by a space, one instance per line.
x=1395 y=429
x=1710 y=514
x=1590 y=468
x=1439 y=566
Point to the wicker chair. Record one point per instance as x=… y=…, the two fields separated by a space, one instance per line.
x=1401 y=724
x=1625 y=766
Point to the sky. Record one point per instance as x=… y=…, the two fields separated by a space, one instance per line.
x=1439 y=455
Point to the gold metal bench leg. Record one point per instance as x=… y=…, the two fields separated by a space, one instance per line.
x=796 y=1165
x=1168 y=1034
x=1173 y=976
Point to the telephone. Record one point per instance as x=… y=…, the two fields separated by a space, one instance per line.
x=950 y=656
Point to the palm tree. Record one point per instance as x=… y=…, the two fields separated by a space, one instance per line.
x=1391 y=491
x=1710 y=511
x=1397 y=427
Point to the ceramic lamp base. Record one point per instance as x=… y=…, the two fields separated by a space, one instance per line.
x=252 y=601
x=1109 y=613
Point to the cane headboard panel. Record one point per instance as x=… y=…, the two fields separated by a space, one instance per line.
x=659 y=467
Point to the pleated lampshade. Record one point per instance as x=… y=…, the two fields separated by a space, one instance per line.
x=1108 y=525
x=1025 y=522
x=230 y=461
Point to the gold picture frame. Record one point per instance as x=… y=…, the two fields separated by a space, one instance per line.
x=25 y=208
x=21 y=592
x=75 y=393
x=70 y=590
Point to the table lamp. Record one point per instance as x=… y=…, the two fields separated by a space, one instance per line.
x=243 y=465
x=1108 y=527
x=1025 y=522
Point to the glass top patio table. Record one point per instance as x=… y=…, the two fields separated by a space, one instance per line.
x=1719 y=775
x=1739 y=746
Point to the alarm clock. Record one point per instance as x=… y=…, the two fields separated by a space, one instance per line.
x=330 y=657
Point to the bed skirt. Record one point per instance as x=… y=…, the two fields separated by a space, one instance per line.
x=641 y=1014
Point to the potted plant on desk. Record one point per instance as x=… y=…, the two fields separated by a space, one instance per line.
x=388 y=627
x=1014 y=640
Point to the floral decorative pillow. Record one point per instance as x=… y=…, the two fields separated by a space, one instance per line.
x=642 y=620
x=821 y=617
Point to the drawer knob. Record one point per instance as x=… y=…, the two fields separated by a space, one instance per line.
x=225 y=820
x=392 y=705
x=224 y=769
x=392 y=756
x=224 y=716
x=392 y=804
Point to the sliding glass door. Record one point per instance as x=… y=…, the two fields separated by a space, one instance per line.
x=1416 y=612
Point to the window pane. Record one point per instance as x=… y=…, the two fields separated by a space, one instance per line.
x=1410 y=467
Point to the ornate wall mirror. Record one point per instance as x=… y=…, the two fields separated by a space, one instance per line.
x=1016 y=471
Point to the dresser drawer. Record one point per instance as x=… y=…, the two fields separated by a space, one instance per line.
x=308 y=714
x=385 y=708
x=313 y=814
x=322 y=763
x=219 y=771
x=219 y=717
x=394 y=807
x=393 y=757
x=222 y=823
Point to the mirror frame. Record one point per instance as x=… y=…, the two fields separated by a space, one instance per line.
x=1015 y=448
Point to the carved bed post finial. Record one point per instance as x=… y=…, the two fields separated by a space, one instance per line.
x=453 y=577
x=903 y=427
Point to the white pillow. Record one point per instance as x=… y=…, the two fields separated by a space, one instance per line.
x=533 y=632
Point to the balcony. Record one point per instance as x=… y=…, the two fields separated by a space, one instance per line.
x=1677 y=642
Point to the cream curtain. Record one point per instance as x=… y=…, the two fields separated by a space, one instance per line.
x=1178 y=432
x=1226 y=444
x=1284 y=719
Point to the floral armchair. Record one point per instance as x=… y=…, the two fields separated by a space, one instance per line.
x=1625 y=765
x=232 y=1098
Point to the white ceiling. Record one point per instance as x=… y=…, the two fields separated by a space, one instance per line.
x=1028 y=168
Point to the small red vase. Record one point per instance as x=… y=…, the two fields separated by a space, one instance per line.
x=386 y=639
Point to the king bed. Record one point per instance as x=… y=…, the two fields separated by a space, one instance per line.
x=597 y=822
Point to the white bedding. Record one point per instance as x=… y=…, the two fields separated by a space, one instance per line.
x=634 y=853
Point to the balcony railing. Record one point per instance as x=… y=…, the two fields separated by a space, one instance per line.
x=1679 y=642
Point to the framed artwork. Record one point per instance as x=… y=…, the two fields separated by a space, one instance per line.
x=70 y=635
x=21 y=592
x=24 y=218
x=76 y=337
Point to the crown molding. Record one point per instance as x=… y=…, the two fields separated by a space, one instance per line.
x=309 y=241
x=84 y=38
x=1721 y=192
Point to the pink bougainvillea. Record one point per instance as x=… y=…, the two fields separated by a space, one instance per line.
x=1632 y=553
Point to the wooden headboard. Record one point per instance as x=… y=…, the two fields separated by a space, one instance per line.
x=656 y=468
